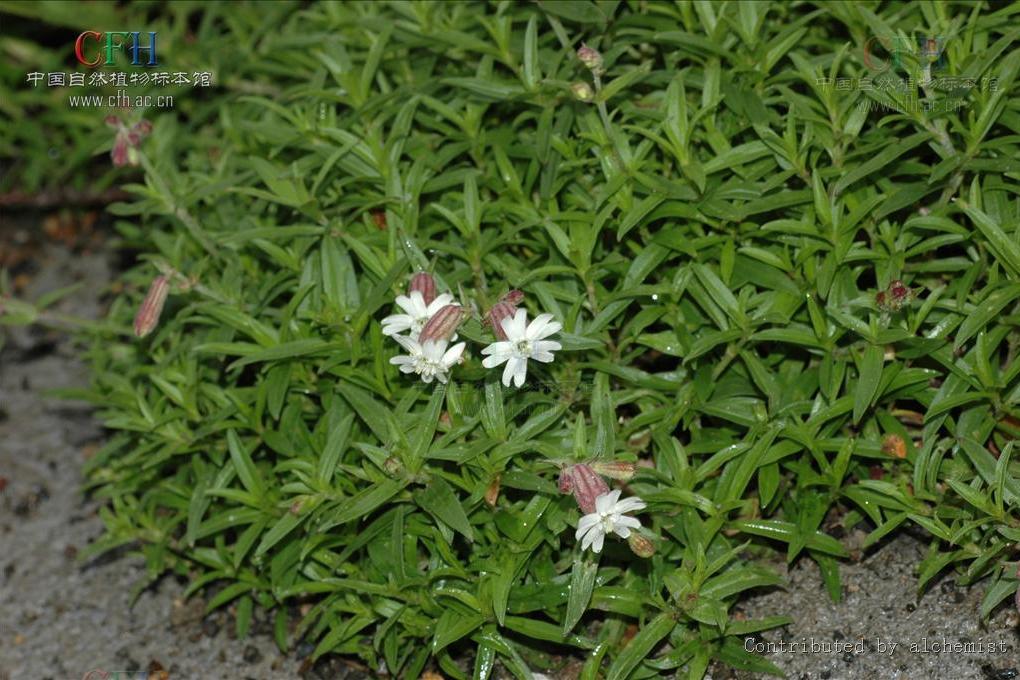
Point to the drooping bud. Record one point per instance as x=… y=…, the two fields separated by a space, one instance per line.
x=591 y=58
x=614 y=469
x=442 y=325
x=424 y=284
x=112 y=121
x=504 y=309
x=583 y=92
x=152 y=306
x=120 y=153
x=640 y=545
x=584 y=483
x=514 y=297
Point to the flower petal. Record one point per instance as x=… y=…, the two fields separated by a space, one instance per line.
x=626 y=521
x=453 y=354
x=631 y=504
x=493 y=361
x=585 y=524
x=520 y=369
x=497 y=348
x=599 y=539
x=604 y=504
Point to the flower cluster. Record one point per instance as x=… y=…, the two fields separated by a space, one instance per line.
x=431 y=323
x=605 y=512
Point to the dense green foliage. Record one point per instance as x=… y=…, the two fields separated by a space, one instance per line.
x=713 y=231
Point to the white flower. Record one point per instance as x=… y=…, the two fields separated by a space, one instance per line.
x=523 y=341
x=431 y=360
x=608 y=518
x=416 y=315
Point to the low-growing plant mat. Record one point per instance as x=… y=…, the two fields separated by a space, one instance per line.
x=777 y=246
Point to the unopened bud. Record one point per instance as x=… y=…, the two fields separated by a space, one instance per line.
x=492 y=491
x=585 y=484
x=583 y=92
x=393 y=466
x=591 y=58
x=112 y=121
x=442 y=325
x=501 y=310
x=142 y=128
x=424 y=284
x=504 y=309
x=120 y=153
x=152 y=306
x=614 y=469
x=514 y=297
x=895 y=297
x=640 y=545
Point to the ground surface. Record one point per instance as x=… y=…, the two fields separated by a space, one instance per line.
x=60 y=618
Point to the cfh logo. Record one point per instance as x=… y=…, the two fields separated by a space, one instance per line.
x=93 y=48
x=882 y=52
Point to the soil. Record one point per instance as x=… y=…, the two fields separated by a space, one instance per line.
x=61 y=617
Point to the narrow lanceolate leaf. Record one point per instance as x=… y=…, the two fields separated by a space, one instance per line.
x=439 y=500
x=582 y=581
x=868 y=380
x=335 y=446
x=244 y=466
x=1004 y=247
x=641 y=645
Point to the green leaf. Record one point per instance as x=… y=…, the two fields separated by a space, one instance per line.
x=582 y=581
x=640 y=646
x=244 y=466
x=868 y=380
x=440 y=501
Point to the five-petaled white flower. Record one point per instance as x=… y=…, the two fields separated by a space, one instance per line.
x=416 y=315
x=523 y=341
x=431 y=360
x=608 y=518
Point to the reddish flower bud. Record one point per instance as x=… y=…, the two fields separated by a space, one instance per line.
x=504 y=309
x=112 y=121
x=895 y=297
x=590 y=57
x=424 y=284
x=142 y=128
x=119 y=152
x=514 y=297
x=614 y=469
x=379 y=218
x=443 y=324
x=152 y=306
x=640 y=545
x=898 y=291
x=585 y=484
